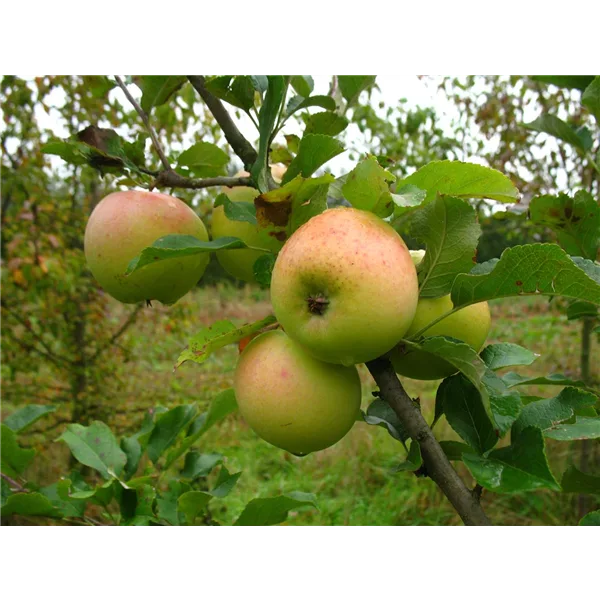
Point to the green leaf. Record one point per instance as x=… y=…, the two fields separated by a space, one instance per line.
x=260 y=83
x=200 y=465
x=454 y=450
x=33 y=504
x=263 y=268
x=463 y=180
x=69 y=151
x=591 y=98
x=381 y=413
x=204 y=159
x=167 y=428
x=225 y=483
x=237 y=211
x=222 y=405
x=576 y=221
x=157 y=89
x=237 y=91
x=592 y=518
x=577 y=310
x=449 y=228
x=144 y=510
x=584 y=428
x=548 y=413
x=575 y=481
x=303 y=84
x=191 y=504
x=177 y=246
x=465 y=413
x=413 y=461
x=314 y=151
x=578 y=82
x=506 y=404
x=101 y=495
x=512 y=379
x=559 y=129
x=367 y=187
x=536 y=269
x=166 y=503
x=297 y=103
x=351 y=86
x=520 y=467
x=499 y=356
x=326 y=123
x=96 y=447
x=133 y=451
x=219 y=335
x=58 y=494
x=407 y=198
x=271 y=511
x=26 y=416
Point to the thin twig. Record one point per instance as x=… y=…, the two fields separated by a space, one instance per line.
x=140 y=111
x=15 y=484
x=172 y=179
x=129 y=321
x=435 y=460
x=241 y=146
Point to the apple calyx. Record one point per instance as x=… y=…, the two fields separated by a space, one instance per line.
x=317 y=305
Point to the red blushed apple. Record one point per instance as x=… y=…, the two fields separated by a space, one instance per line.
x=122 y=225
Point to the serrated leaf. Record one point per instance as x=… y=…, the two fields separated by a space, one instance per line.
x=263 y=268
x=225 y=483
x=200 y=465
x=381 y=413
x=576 y=481
x=465 y=413
x=454 y=450
x=520 y=467
x=413 y=461
x=546 y=414
x=592 y=518
x=303 y=84
x=313 y=152
x=591 y=98
x=557 y=128
x=271 y=511
x=191 y=504
x=449 y=228
x=351 y=86
x=512 y=379
x=157 y=89
x=218 y=335
x=584 y=428
x=499 y=356
x=463 y=180
x=297 y=103
x=32 y=504
x=204 y=159
x=133 y=451
x=167 y=429
x=26 y=416
x=326 y=123
x=577 y=82
x=177 y=246
x=237 y=211
x=576 y=221
x=535 y=269
x=96 y=447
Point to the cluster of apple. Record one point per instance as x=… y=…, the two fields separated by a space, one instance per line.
x=344 y=290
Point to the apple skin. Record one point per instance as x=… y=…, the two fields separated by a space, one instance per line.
x=121 y=226
x=290 y=399
x=470 y=324
x=345 y=287
x=240 y=263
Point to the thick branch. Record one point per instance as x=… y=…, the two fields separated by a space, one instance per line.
x=241 y=146
x=144 y=117
x=172 y=179
x=436 y=462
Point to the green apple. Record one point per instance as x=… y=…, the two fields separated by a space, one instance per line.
x=292 y=400
x=344 y=286
x=470 y=324
x=121 y=226
x=240 y=263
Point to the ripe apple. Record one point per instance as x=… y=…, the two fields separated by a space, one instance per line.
x=240 y=263
x=470 y=324
x=121 y=226
x=344 y=286
x=292 y=400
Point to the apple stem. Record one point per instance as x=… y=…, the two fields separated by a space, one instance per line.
x=436 y=462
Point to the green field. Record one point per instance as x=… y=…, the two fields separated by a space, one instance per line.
x=354 y=481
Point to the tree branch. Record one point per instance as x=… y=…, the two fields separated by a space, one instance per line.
x=241 y=146
x=435 y=460
x=175 y=180
x=144 y=117
x=16 y=486
x=130 y=321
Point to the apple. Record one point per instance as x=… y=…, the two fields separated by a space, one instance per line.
x=344 y=286
x=240 y=263
x=470 y=324
x=121 y=226
x=292 y=400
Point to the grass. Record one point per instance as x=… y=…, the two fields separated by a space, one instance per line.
x=354 y=481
